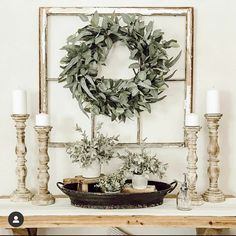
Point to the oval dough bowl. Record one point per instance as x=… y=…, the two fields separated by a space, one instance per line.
x=96 y=199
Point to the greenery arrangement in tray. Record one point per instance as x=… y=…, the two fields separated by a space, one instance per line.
x=112 y=183
x=87 y=51
x=140 y=165
x=143 y=163
x=85 y=151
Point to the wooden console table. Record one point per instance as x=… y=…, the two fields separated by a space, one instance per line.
x=207 y=219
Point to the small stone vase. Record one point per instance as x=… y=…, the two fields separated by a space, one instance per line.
x=92 y=171
x=139 y=181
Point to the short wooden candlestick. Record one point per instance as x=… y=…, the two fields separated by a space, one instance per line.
x=213 y=193
x=43 y=197
x=191 y=139
x=21 y=194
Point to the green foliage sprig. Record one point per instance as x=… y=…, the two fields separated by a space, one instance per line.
x=87 y=50
x=100 y=148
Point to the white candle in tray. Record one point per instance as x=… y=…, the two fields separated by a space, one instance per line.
x=19 y=102
x=213 y=102
x=192 y=120
x=42 y=119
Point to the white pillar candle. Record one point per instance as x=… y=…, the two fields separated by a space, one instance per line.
x=212 y=102
x=192 y=120
x=19 y=102
x=42 y=119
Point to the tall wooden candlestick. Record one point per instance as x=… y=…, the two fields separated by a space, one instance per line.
x=21 y=194
x=43 y=197
x=191 y=139
x=213 y=194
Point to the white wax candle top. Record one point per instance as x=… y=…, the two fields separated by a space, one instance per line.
x=19 y=102
x=42 y=119
x=213 y=102
x=192 y=120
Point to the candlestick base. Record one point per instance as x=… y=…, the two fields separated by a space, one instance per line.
x=43 y=199
x=213 y=196
x=196 y=199
x=21 y=196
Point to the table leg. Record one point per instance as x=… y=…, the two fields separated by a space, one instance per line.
x=25 y=232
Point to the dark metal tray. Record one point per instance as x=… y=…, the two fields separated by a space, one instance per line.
x=96 y=199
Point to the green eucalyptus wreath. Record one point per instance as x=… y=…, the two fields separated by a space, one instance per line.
x=87 y=50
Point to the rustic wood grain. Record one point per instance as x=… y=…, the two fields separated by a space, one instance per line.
x=213 y=193
x=43 y=196
x=54 y=221
x=191 y=141
x=21 y=194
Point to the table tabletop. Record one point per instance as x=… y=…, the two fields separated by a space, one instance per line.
x=62 y=213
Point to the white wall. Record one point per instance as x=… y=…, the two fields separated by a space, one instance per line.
x=215 y=65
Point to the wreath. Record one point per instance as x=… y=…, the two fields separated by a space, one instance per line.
x=88 y=49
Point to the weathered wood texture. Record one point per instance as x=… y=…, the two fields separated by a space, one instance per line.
x=21 y=194
x=119 y=221
x=43 y=197
x=213 y=193
x=191 y=139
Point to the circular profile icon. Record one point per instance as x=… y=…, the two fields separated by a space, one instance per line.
x=15 y=219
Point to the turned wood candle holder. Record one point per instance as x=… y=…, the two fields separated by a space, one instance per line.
x=21 y=194
x=43 y=197
x=213 y=193
x=191 y=140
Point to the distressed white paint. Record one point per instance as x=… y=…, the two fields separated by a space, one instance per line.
x=64 y=208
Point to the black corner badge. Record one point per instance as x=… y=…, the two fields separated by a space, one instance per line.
x=15 y=219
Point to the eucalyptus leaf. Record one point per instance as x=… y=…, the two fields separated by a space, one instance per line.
x=83 y=17
x=149 y=29
x=99 y=39
x=114 y=99
x=135 y=91
x=161 y=98
x=108 y=42
x=133 y=53
x=70 y=85
x=134 y=65
x=119 y=110
x=157 y=33
x=142 y=84
x=142 y=75
x=82 y=34
x=69 y=66
x=172 y=62
x=71 y=38
x=102 y=95
x=95 y=19
x=170 y=76
x=84 y=86
x=90 y=80
x=126 y=18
